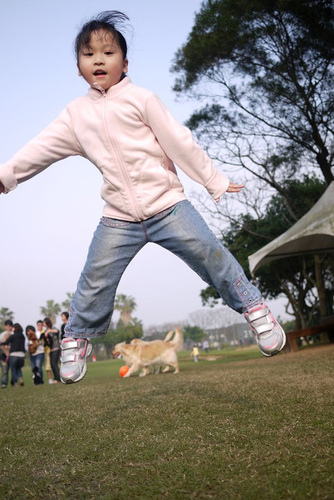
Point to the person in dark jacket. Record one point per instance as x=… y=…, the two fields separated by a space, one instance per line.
x=16 y=341
x=64 y=316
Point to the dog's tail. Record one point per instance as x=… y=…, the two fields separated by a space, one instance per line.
x=169 y=336
x=177 y=340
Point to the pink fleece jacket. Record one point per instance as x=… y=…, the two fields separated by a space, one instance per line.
x=133 y=140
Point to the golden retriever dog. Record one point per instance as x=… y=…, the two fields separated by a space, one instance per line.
x=146 y=370
x=157 y=352
x=128 y=360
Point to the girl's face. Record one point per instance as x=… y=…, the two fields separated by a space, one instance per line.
x=102 y=62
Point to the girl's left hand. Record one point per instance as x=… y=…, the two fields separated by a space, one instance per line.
x=233 y=188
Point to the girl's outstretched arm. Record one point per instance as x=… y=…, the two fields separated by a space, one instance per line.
x=56 y=142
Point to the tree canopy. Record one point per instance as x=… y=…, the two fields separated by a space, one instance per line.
x=51 y=310
x=66 y=304
x=194 y=333
x=126 y=304
x=5 y=314
x=264 y=71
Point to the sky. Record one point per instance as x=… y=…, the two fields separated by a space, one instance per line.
x=47 y=223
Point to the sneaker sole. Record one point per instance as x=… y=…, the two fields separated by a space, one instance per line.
x=276 y=351
x=70 y=381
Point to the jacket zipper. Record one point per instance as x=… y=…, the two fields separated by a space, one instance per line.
x=113 y=146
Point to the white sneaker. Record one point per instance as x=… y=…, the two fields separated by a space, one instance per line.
x=73 y=359
x=269 y=334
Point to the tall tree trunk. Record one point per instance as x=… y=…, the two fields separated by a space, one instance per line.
x=320 y=286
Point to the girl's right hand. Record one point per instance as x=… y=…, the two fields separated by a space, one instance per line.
x=2 y=188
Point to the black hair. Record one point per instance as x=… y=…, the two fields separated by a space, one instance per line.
x=106 y=21
x=65 y=313
x=8 y=322
x=30 y=327
x=18 y=328
x=48 y=322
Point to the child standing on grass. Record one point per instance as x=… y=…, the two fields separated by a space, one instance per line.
x=129 y=135
x=195 y=353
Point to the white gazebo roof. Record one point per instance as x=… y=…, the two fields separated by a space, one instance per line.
x=313 y=233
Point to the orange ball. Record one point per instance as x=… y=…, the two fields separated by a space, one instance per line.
x=123 y=370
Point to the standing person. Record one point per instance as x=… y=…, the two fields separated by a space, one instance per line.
x=64 y=316
x=37 y=355
x=195 y=353
x=130 y=136
x=45 y=343
x=16 y=341
x=52 y=335
x=5 y=353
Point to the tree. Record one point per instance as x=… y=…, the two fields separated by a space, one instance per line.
x=126 y=305
x=66 y=304
x=264 y=71
x=159 y=332
x=194 y=333
x=208 y=318
x=125 y=333
x=51 y=310
x=5 y=314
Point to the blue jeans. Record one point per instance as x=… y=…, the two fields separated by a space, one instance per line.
x=4 y=373
x=179 y=229
x=38 y=361
x=16 y=364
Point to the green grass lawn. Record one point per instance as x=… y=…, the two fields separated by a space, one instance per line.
x=239 y=426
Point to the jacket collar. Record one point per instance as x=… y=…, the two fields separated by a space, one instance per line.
x=98 y=93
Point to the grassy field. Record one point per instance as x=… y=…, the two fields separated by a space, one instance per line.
x=237 y=427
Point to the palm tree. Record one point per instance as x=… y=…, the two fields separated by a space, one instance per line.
x=5 y=314
x=125 y=304
x=67 y=302
x=51 y=310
